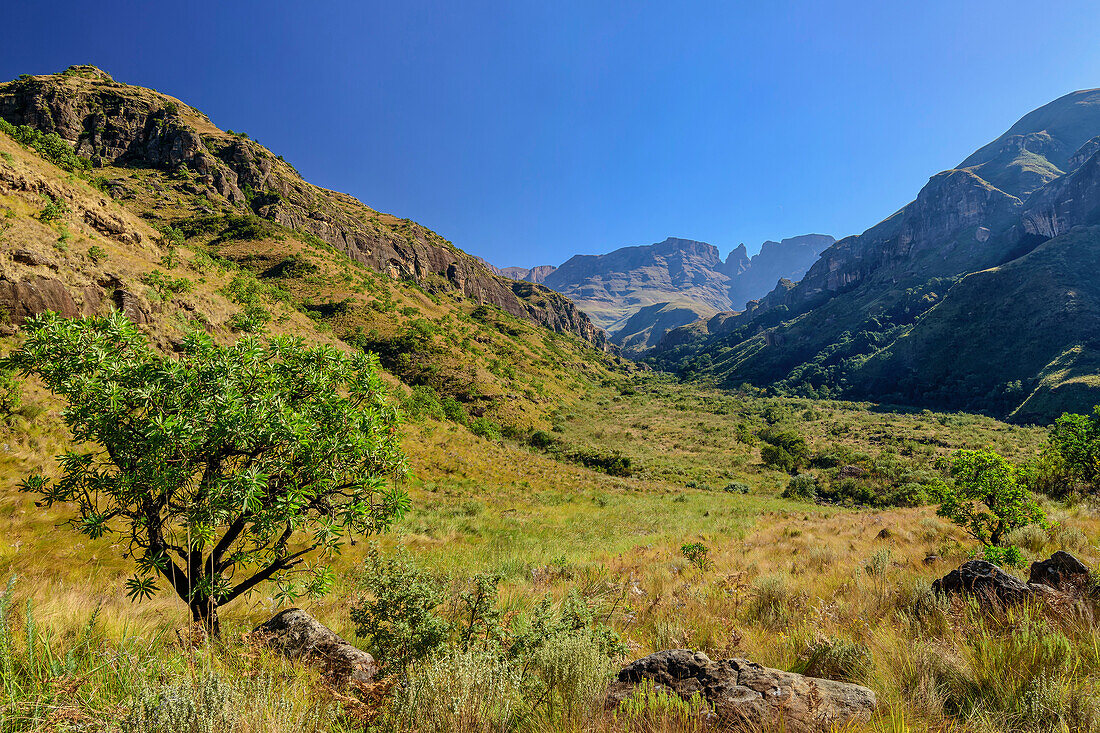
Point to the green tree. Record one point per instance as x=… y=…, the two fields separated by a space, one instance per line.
x=1075 y=441
x=988 y=498
x=220 y=469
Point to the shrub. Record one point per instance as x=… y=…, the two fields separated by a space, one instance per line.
x=569 y=672
x=541 y=439
x=55 y=210
x=485 y=428
x=207 y=703
x=453 y=410
x=253 y=319
x=398 y=616
x=775 y=457
x=1009 y=556
x=737 y=487
x=97 y=254
x=11 y=392
x=165 y=286
x=472 y=691
x=614 y=463
x=48 y=145
x=836 y=659
x=697 y=554
x=423 y=402
x=802 y=487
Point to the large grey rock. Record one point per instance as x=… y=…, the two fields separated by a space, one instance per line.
x=990 y=584
x=739 y=692
x=297 y=635
x=1061 y=570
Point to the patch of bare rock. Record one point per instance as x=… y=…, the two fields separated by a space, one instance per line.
x=741 y=693
x=296 y=635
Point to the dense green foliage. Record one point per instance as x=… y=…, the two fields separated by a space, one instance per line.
x=221 y=469
x=47 y=144
x=988 y=497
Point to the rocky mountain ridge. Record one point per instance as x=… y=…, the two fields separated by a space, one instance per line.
x=114 y=124
x=858 y=304
x=637 y=293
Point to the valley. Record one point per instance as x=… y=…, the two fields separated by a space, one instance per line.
x=776 y=478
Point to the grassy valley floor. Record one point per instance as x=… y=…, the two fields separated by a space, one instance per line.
x=830 y=590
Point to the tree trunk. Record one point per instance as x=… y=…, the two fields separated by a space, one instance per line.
x=205 y=612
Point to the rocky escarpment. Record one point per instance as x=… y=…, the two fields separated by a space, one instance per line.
x=536 y=274
x=788 y=259
x=638 y=293
x=116 y=124
x=914 y=310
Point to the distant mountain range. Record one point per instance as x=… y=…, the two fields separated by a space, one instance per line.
x=638 y=293
x=981 y=294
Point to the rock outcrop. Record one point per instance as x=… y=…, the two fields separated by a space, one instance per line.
x=297 y=635
x=1060 y=571
x=739 y=692
x=991 y=584
x=118 y=124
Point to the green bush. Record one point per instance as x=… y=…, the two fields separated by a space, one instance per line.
x=55 y=210
x=48 y=145
x=485 y=428
x=453 y=410
x=398 y=614
x=253 y=319
x=11 y=392
x=697 y=554
x=802 y=487
x=613 y=463
x=97 y=254
x=423 y=402
x=737 y=487
x=786 y=450
x=541 y=439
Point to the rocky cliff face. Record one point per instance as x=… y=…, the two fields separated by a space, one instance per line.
x=867 y=293
x=639 y=292
x=536 y=274
x=788 y=259
x=117 y=124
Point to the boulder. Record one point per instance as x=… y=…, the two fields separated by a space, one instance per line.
x=1060 y=570
x=991 y=584
x=740 y=692
x=297 y=635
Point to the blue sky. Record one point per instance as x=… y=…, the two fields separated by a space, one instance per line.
x=526 y=132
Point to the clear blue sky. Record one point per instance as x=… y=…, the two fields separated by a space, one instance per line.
x=526 y=132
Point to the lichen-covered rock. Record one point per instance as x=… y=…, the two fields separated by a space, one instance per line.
x=297 y=635
x=740 y=692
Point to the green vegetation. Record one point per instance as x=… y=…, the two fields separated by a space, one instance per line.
x=207 y=465
x=988 y=497
x=48 y=145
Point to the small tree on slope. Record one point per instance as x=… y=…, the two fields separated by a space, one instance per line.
x=989 y=498
x=220 y=469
